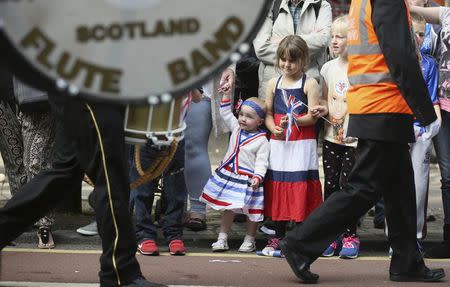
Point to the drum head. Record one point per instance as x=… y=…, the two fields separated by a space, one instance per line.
x=130 y=51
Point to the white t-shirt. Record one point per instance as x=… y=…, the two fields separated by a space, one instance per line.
x=337 y=83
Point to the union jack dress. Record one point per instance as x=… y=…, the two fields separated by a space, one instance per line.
x=292 y=188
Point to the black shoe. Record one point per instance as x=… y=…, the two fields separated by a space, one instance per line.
x=440 y=251
x=142 y=282
x=299 y=264
x=426 y=275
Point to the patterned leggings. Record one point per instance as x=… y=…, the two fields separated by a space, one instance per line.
x=338 y=161
x=26 y=142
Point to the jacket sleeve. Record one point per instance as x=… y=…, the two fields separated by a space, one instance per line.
x=432 y=80
x=262 y=160
x=319 y=38
x=390 y=21
x=265 y=50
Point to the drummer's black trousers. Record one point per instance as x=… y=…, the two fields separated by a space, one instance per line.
x=89 y=139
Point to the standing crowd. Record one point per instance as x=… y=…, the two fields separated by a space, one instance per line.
x=370 y=88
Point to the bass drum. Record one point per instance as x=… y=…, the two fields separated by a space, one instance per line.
x=134 y=51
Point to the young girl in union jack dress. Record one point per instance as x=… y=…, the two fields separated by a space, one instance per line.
x=236 y=185
x=292 y=187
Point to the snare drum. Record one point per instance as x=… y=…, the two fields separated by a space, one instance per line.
x=160 y=124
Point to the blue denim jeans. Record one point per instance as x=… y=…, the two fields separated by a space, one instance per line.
x=442 y=147
x=173 y=194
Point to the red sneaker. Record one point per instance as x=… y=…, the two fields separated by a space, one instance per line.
x=148 y=247
x=176 y=247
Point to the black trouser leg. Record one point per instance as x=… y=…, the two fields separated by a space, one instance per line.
x=375 y=172
x=101 y=150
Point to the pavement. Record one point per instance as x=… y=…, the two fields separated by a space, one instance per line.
x=372 y=239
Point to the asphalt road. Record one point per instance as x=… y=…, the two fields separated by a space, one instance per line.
x=22 y=266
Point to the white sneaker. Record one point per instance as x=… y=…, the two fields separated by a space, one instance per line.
x=247 y=246
x=220 y=245
x=88 y=230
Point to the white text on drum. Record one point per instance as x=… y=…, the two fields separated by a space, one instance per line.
x=132 y=30
x=68 y=68
x=229 y=32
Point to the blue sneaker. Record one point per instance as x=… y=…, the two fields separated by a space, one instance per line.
x=332 y=249
x=350 y=247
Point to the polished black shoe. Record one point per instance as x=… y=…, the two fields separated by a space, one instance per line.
x=142 y=282
x=426 y=275
x=299 y=264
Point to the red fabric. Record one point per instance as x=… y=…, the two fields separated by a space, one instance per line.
x=292 y=201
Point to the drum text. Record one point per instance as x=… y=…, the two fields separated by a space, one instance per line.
x=70 y=68
x=182 y=69
x=132 y=30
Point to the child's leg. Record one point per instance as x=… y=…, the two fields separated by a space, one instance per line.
x=227 y=221
x=251 y=228
x=348 y=159
x=331 y=168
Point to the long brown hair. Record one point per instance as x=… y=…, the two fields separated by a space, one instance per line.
x=295 y=48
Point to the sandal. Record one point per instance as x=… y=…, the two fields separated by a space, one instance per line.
x=45 y=238
x=196 y=224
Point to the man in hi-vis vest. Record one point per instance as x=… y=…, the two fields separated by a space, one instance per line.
x=387 y=92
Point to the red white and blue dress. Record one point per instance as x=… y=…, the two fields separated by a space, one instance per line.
x=247 y=157
x=292 y=187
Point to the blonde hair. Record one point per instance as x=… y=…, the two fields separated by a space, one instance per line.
x=294 y=48
x=417 y=18
x=340 y=24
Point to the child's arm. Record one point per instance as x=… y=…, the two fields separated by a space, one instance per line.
x=321 y=110
x=261 y=164
x=225 y=111
x=269 y=120
x=312 y=92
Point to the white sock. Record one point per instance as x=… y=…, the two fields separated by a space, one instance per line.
x=223 y=236
x=249 y=238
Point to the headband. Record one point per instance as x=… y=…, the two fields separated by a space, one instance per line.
x=256 y=107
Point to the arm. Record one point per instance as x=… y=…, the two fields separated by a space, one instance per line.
x=227 y=79
x=431 y=14
x=312 y=91
x=321 y=110
x=261 y=164
x=390 y=21
x=269 y=120
x=265 y=49
x=225 y=111
x=319 y=38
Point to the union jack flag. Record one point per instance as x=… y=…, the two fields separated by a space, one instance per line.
x=291 y=105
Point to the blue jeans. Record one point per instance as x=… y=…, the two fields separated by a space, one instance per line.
x=198 y=166
x=174 y=194
x=442 y=147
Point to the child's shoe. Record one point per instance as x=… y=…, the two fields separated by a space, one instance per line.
x=249 y=244
x=350 y=247
x=176 y=247
x=272 y=245
x=221 y=244
x=148 y=247
x=332 y=249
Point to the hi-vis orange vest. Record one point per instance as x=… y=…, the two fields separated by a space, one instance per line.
x=372 y=89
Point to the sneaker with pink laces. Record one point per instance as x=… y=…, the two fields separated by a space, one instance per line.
x=350 y=247
x=176 y=247
x=272 y=245
x=148 y=247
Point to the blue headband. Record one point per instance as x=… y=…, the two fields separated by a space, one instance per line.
x=256 y=107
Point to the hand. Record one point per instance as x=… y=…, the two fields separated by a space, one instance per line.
x=432 y=129
x=254 y=183
x=418 y=131
x=319 y=111
x=196 y=95
x=226 y=81
x=284 y=122
x=278 y=131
